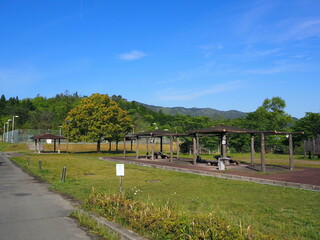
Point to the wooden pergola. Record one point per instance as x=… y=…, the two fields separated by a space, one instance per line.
x=37 y=140
x=223 y=130
x=150 y=137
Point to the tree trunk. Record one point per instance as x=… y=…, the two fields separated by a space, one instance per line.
x=117 y=146
x=98 y=146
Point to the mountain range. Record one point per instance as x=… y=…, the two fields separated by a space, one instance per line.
x=195 y=112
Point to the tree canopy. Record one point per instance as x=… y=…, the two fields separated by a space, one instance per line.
x=269 y=116
x=309 y=124
x=97 y=118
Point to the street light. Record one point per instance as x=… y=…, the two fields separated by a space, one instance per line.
x=12 y=138
x=8 y=122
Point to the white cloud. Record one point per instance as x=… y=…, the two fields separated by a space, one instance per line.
x=267 y=70
x=133 y=55
x=209 y=49
x=305 y=29
x=173 y=94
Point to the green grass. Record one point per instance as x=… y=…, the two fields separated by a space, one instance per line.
x=9 y=147
x=285 y=212
x=93 y=226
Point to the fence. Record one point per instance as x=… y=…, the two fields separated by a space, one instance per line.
x=24 y=135
x=312 y=146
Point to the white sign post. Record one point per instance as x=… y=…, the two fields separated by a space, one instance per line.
x=120 y=173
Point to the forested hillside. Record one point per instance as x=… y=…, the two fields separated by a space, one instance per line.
x=196 y=112
x=50 y=113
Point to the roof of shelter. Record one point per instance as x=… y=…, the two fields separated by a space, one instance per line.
x=158 y=133
x=223 y=129
x=230 y=129
x=48 y=136
x=131 y=136
x=280 y=133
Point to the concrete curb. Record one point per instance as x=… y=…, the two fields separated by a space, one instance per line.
x=222 y=175
x=123 y=233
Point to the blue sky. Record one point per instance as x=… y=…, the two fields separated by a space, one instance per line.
x=208 y=53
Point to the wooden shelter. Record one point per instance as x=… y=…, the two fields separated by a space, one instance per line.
x=150 y=137
x=223 y=130
x=37 y=140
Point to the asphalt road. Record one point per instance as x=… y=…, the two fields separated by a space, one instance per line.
x=29 y=211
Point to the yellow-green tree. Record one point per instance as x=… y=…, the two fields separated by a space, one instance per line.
x=97 y=118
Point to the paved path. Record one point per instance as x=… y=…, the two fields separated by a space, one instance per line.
x=29 y=211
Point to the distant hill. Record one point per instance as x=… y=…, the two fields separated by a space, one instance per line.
x=195 y=112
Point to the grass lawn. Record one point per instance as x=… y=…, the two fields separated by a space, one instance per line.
x=284 y=212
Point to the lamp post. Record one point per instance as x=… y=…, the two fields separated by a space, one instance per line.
x=12 y=137
x=60 y=129
x=8 y=122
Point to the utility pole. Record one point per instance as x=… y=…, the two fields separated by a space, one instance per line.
x=8 y=122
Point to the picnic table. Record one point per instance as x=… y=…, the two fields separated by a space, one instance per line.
x=226 y=160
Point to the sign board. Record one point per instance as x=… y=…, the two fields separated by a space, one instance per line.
x=120 y=170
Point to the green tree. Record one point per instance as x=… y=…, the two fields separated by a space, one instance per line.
x=309 y=124
x=269 y=116
x=97 y=118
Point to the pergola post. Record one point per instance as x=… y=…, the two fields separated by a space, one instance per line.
x=124 y=147
x=147 y=142
x=39 y=146
x=152 y=148
x=178 y=148
x=54 y=144
x=263 y=154
x=194 y=150
x=224 y=145
x=305 y=149
x=171 y=148
x=198 y=145
x=35 y=146
x=252 y=149
x=137 y=148
x=161 y=147
x=59 y=145
x=313 y=147
x=290 y=152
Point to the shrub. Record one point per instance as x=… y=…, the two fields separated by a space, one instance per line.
x=163 y=222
